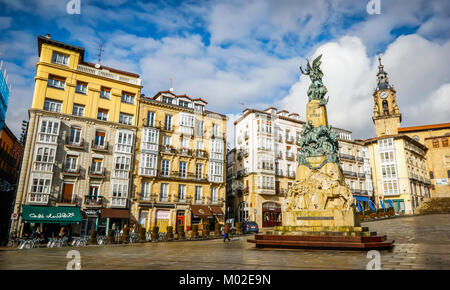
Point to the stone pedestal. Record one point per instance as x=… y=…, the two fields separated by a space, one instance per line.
x=316 y=113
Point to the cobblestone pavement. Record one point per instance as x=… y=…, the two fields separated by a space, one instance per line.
x=421 y=242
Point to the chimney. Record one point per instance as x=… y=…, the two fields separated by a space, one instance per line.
x=171 y=90
x=47 y=36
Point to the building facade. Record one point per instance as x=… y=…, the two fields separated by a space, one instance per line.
x=263 y=165
x=4 y=95
x=435 y=138
x=398 y=161
x=180 y=163
x=79 y=150
x=11 y=151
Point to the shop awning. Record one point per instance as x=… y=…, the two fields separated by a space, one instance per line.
x=115 y=213
x=361 y=198
x=51 y=214
x=390 y=203
x=201 y=211
x=216 y=210
x=359 y=206
x=382 y=204
x=372 y=206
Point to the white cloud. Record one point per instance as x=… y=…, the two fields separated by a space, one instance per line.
x=417 y=68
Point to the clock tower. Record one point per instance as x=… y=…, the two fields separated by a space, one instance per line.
x=386 y=116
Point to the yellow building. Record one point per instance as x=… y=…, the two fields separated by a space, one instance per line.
x=180 y=163
x=80 y=145
x=398 y=161
x=435 y=138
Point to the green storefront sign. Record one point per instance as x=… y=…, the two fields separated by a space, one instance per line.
x=51 y=214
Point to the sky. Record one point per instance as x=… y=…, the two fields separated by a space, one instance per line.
x=246 y=53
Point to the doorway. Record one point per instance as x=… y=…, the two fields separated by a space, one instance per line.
x=67 y=192
x=271 y=214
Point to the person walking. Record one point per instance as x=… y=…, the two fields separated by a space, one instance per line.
x=226 y=232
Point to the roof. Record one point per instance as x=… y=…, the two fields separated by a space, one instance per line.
x=399 y=136
x=113 y=70
x=47 y=40
x=178 y=96
x=424 y=127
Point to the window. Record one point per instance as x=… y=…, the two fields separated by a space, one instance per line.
x=122 y=166
x=40 y=185
x=60 y=58
x=49 y=131
x=198 y=194
x=75 y=135
x=200 y=128
x=78 y=110
x=199 y=171
x=168 y=123
x=71 y=163
x=435 y=143
x=444 y=142
x=182 y=169
x=213 y=194
x=215 y=130
x=147 y=165
x=94 y=190
x=124 y=141
x=125 y=119
x=119 y=194
x=149 y=139
x=102 y=114
x=128 y=98
x=52 y=105
x=105 y=93
x=165 y=167
x=45 y=157
x=181 y=192
x=432 y=175
x=166 y=141
x=96 y=166
x=145 y=195
x=56 y=82
x=99 y=140
x=150 y=119
x=199 y=145
x=198 y=107
x=167 y=100
x=81 y=88
x=164 y=195
x=216 y=171
x=183 y=104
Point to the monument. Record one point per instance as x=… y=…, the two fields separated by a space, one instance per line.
x=320 y=210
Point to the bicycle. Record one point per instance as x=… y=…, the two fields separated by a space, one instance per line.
x=148 y=237
x=101 y=240
x=162 y=237
x=133 y=238
x=13 y=242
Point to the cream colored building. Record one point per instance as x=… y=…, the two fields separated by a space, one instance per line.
x=398 y=161
x=435 y=138
x=180 y=163
x=79 y=150
x=263 y=165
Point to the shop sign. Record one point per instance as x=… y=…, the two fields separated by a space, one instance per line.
x=162 y=214
x=92 y=212
x=441 y=181
x=14 y=216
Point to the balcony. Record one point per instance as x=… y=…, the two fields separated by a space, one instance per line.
x=290 y=156
x=215 y=178
x=69 y=201
x=245 y=135
x=279 y=155
x=121 y=173
x=361 y=175
x=100 y=147
x=38 y=198
x=360 y=159
x=73 y=144
x=109 y=75
x=185 y=130
x=201 y=153
x=350 y=173
x=120 y=202
x=163 y=199
x=290 y=139
x=71 y=170
x=291 y=174
x=280 y=139
x=186 y=176
x=97 y=173
x=93 y=201
x=167 y=149
x=186 y=152
x=346 y=156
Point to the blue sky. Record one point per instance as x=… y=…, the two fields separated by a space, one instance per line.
x=245 y=53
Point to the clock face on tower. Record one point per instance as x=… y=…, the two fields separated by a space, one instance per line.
x=383 y=95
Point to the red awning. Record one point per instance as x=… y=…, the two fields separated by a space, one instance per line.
x=216 y=210
x=201 y=211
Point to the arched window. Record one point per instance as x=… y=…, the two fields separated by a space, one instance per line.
x=385 y=107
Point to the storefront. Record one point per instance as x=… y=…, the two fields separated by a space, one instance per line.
x=218 y=216
x=114 y=219
x=92 y=221
x=181 y=220
x=200 y=214
x=362 y=203
x=162 y=219
x=50 y=219
x=271 y=213
x=397 y=204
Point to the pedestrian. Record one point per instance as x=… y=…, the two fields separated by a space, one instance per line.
x=62 y=232
x=226 y=231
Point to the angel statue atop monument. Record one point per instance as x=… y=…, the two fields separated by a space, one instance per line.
x=316 y=90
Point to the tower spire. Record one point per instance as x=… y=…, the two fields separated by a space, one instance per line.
x=383 y=81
